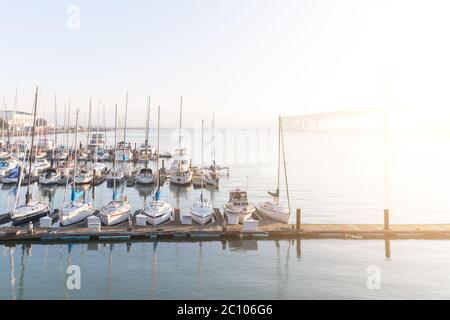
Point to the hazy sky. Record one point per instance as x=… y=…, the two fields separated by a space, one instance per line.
x=245 y=60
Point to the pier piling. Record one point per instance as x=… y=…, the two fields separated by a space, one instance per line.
x=386 y=219
x=387 y=248
x=298 y=220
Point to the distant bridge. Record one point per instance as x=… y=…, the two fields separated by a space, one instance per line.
x=334 y=120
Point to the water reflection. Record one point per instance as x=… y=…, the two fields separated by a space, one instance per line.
x=12 y=278
x=243 y=245
x=180 y=193
x=184 y=255
x=109 y=276
x=21 y=290
x=154 y=270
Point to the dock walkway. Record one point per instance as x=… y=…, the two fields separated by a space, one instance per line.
x=219 y=230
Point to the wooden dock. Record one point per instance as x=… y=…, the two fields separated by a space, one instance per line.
x=218 y=229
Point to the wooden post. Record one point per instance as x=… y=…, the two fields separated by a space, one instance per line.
x=386 y=219
x=387 y=248
x=177 y=216
x=130 y=223
x=30 y=228
x=299 y=219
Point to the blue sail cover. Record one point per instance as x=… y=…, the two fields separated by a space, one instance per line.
x=125 y=157
x=14 y=173
x=158 y=195
x=76 y=195
x=116 y=196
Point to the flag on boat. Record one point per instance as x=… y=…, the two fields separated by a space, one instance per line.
x=275 y=194
x=116 y=196
x=76 y=195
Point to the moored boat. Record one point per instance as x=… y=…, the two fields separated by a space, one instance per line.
x=273 y=208
x=201 y=210
x=50 y=176
x=157 y=210
x=118 y=210
x=6 y=166
x=238 y=209
x=76 y=211
x=30 y=210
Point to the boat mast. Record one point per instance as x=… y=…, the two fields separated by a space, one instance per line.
x=98 y=130
x=213 y=143
x=68 y=127
x=54 y=130
x=65 y=126
x=181 y=116
x=76 y=150
x=157 y=155
x=15 y=113
x=284 y=165
x=3 y=122
x=279 y=158
x=125 y=129
x=201 y=167
x=89 y=123
x=28 y=195
x=104 y=124
x=115 y=156
x=147 y=129
x=7 y=128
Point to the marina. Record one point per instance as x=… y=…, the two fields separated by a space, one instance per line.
x=244 y=151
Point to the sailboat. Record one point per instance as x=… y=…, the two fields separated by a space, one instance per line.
x=49 y=176
x=118 y=210
x=273 y=208
x=99 y=169
x=145 y=175
x=121 y=153
x=13 y=176
x=30 y=210
x=181 y=173
x=157 y=210
x=75 y=211
x=212 y=176
x=6 y=166
x=201 y=210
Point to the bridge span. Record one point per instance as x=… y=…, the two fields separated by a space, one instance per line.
x=349 y=119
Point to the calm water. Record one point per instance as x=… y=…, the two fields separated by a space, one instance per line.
x=334 y=178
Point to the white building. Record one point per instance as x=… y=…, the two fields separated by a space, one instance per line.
x=18 y=118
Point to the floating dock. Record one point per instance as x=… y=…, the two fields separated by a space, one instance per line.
x=218 y=229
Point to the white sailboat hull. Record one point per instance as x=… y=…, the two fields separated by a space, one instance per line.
x=201 y=212
x=31 y=212
x=83 y=179
x=115 y=213
x=145 y=179
x=158 y=212
x=75 y=213
x=275 y=211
